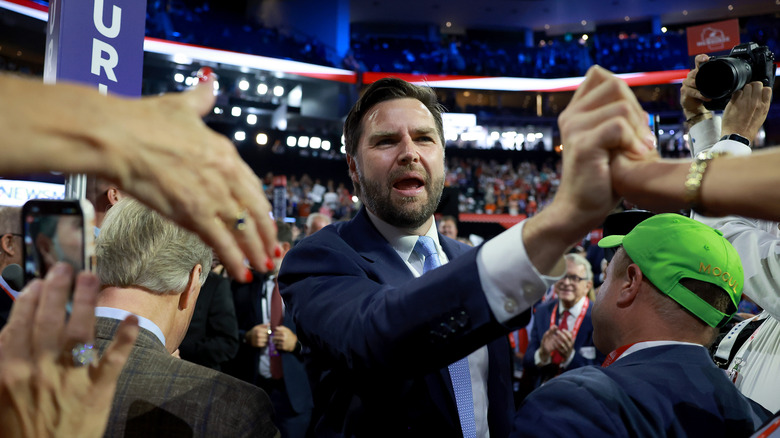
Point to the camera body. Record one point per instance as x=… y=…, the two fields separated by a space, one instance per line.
x=721 y=76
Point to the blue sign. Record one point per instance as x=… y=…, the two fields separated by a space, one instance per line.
x=96 y=42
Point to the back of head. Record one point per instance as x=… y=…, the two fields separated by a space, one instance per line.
x=10 y=220
x=687 y=261
x=316 y=222
x=139 y=248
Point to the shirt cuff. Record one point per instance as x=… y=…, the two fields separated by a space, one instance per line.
x=538 y=359
x=704 y=134
x=509 y=280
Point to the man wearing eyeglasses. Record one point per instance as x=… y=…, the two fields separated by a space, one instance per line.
x=562 y=333
x=10 y=253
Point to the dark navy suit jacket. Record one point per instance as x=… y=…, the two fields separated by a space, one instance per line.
x=663 y=391
x=584 y=351
x=380 y=339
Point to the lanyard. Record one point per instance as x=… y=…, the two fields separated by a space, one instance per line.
x=577 y=323
x=612 y=357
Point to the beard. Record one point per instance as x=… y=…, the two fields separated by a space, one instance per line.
x=406 y=212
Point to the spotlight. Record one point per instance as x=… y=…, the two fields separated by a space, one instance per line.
x=243 y=85
x=278 y=91
x=236 y=111
x=325 y=145
x=251 y=119
x=240 y=135
x=178 y=77
x=315 y=142
x=262 y=88
x=291 y=141
x=262 y=139
x=303 y=141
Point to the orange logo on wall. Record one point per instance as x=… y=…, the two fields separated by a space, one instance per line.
x=713 y=37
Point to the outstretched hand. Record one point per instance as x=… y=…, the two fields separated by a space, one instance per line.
x=602 y=121
x=195 y=176
x=42 y=392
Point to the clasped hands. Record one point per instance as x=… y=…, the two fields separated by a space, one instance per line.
x=283 y=338
x=556 y=339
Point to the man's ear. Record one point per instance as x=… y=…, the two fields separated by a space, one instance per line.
x=7 y=244
x=632 y=283
x=114 y=195
x=191 y=292
x=352 y=164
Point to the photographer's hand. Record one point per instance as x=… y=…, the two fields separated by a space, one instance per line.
x=691 y=99
x=747 y=110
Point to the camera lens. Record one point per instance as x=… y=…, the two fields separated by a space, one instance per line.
x=721 y=77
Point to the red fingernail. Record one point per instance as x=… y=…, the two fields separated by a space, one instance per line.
x=204 y=73
x=269 y=264
x=278 y=251
x=249 y=277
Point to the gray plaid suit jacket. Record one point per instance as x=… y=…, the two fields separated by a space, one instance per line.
x=162 y=396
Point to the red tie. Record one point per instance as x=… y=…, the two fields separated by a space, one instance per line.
x=276 y=320
x=557 y=358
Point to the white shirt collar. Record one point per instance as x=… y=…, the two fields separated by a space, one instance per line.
x=649 y=344
x=120 y=314
x=403 y=243
x=573 y=310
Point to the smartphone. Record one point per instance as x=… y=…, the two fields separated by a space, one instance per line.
x=57 y=230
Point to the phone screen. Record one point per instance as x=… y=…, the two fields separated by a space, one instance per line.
x=53 y=232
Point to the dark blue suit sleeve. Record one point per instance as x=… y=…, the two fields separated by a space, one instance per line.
x=374 y=316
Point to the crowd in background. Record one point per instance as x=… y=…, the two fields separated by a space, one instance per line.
x=484 y=54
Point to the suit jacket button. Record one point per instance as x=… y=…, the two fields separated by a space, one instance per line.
x=510 y=305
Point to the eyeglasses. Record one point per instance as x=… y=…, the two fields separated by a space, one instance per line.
x=573 y=278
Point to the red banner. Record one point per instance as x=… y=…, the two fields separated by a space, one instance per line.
x=713 y=37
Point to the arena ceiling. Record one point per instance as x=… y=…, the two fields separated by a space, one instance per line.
x=555 y=16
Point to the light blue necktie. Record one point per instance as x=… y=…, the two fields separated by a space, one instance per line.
x=459 y=371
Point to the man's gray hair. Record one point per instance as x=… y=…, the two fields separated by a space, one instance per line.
x=139 y=248
x=582 y=261
x=10 y=220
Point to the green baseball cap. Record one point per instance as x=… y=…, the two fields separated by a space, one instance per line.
x=669 y=247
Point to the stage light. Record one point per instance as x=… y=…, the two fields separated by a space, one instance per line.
x=178 y=77
x=303 y=141
x=262 y=88
x=240 y=135
x=217 y=110
x=236 y=111
x=325 y=145
x=291 y=141
x=251 y=119
x=278 y=91
x=262 y=139
x=243 y=85
x=315 y=142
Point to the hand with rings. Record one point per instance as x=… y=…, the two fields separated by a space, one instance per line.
x=51 y=383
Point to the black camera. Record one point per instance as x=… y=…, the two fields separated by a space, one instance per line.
x=721 y=76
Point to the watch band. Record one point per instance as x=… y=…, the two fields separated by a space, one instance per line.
x=736 y=137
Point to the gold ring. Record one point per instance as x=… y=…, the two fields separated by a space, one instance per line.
x=240 y=223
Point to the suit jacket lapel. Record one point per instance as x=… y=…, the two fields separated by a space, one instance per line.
x=367 y=241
